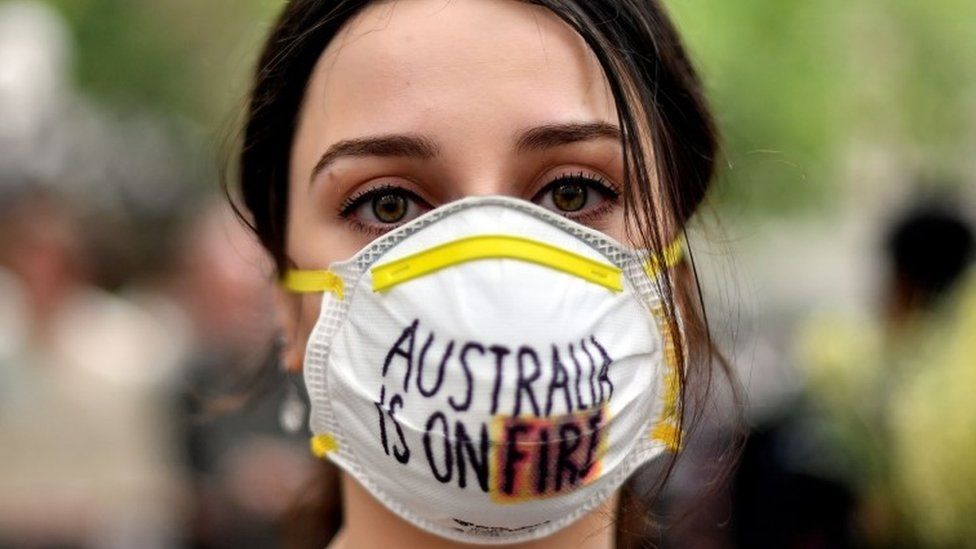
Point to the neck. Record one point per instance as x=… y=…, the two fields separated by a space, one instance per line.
x=367 y=523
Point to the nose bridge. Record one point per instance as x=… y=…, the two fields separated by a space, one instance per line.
x=482 y=165
x=482 y=184
x=493 y=174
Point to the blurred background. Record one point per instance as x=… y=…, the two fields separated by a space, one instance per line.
x=140 y=403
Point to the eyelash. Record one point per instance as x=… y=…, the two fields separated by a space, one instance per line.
x=591 y=180
x=359 y=198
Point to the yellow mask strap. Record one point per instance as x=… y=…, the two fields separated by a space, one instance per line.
x=306 y=282
x=323 y=445
x=667 y=429
x=666 y=259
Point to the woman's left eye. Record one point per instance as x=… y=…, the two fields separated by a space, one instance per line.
x=576 y=195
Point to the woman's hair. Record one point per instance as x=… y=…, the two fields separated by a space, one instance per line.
x=669 y=138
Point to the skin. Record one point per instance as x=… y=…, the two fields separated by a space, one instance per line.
x=421 y=69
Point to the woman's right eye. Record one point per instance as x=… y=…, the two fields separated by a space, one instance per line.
x=383 y=208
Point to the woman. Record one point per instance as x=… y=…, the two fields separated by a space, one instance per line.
x=576 y=126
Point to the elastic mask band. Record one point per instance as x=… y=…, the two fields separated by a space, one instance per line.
x=304 y=282
x=666 y=429
x=322 y=445
x=668 y=434
x=494 y=247
x=670 y=257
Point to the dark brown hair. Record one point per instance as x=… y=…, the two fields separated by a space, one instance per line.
x=669 y=138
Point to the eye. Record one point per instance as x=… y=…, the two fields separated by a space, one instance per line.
x=382 y=208
x=390 y=207
x=577 y=194
x=569 y=197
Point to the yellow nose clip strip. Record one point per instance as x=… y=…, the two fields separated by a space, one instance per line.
x=474 y=248
x=482 y=247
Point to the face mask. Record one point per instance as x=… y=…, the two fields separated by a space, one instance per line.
x=491 y=371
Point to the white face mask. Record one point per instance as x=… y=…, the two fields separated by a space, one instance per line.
x=491 y=371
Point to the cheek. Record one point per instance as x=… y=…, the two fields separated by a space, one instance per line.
x=308 y=316
x=297 y=315
x=614 y=226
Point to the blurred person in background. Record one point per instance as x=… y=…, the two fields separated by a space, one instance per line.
x=123 y=319
x=931 y=412
x=87 y=438
x=893 y=412
x=245 y=470
x=86 y=455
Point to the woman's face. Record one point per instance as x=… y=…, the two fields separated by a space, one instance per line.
x=420 y=102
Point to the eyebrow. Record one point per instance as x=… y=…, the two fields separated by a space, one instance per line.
x=554 y=135
x=420 y=147
x=393 y=145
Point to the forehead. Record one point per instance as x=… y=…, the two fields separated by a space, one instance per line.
x=441 y=66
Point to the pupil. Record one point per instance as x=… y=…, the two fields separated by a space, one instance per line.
x=389 y=208
x=569 y=197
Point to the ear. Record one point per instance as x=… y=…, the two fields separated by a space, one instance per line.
x=288 y=317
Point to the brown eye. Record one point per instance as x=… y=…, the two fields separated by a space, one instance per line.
x=569 y=197
x=390 y=207
x=377 y=210
x=581 y=196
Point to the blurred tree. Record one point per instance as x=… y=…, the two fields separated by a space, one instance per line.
x=181 y=58
x=806 y=91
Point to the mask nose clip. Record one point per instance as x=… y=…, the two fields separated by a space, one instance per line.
x=476 y=248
